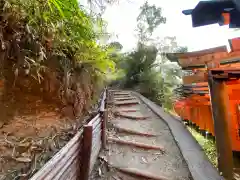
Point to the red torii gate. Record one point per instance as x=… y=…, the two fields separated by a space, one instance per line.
x=219 y=70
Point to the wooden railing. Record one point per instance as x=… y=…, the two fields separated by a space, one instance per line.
x=77 y=158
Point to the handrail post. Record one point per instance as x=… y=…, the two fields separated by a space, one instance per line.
x=86 y=152
x=104 y=129
x=104 y=113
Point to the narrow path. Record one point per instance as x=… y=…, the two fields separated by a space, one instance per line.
x=140 y=145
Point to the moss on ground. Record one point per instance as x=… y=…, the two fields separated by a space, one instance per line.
x=208 y=146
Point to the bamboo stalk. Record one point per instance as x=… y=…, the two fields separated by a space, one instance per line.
x=136 y=144
x=134 y=132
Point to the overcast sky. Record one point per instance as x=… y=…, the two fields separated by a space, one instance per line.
x=121 y=18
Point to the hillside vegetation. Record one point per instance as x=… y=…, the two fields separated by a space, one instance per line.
x=146 y=69
x=49 y=47
x=50 y=64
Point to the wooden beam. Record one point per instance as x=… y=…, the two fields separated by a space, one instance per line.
x=136 y=144
x=131 y=131
x=104 y=129
x=195 y=78
x=140 y=173
x=220 y=104
x=86 y=153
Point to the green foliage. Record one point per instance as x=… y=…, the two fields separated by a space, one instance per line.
x=149 y=18
x=207 y=144
x=147 y=69
x=116 y=45
x=138 y=62
x=60 y=29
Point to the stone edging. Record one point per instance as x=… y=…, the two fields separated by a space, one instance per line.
x=198 y=163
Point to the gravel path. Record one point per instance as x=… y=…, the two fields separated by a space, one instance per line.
x=167 y=164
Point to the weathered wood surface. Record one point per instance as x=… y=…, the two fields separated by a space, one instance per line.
x=222 y=127
x=127 y=102
x=53 y=169
x=104 y=129
x=97 y=144
x=69 y=161
x=131 y=131
x=122 y=93
x=94 y=119
x=124 y=109
x=124 y=98
x=195 y=78
x=87 y=146
x=102 y=104
x=140 y=173
x=96 y=123
x=136 y=144
x=92 y=144
x=197 y=161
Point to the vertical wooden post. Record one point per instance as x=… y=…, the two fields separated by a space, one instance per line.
x=104 y=129
x=86 y=152
x=107 y=99
x=104 y=122
x=219 y=103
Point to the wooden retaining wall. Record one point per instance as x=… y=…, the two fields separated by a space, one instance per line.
x=77 y=158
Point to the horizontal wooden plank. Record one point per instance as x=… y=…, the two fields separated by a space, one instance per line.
x=96 y=123
x=87 y=147
x=94 y=119
x=96 y=148
x=94 y=156
x=96 y=140
x=51 y=164
x=102 y=105
x=203 y=84
x=204 y=59
x=67 y=164
x=73 y=152
x=196 y=78
x=73 y=170
x=96 y=136
x=97 y=128
x=222 y=58
x=73 y=177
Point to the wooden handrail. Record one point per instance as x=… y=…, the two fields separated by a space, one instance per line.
x=75 y=154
